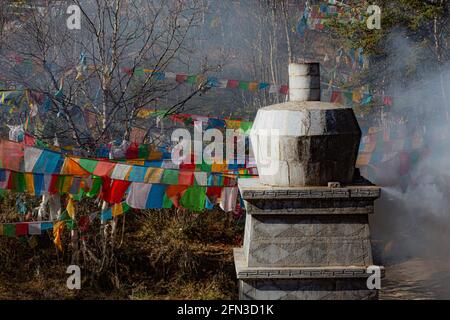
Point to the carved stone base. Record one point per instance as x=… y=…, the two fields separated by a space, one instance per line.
x=313 y=289
x=305 y=243
x=290 y=283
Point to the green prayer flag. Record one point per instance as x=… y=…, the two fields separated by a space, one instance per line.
x=205 y=167
x=243 y=85
x=88 y=165
x=3 y=193
x=139 y=72
x=349 y=96
x=71 y=224
x=125 y=207
x=9 y=230
x=18 y=182
x=170 y=177
x=79 y=196
x=96 y=186
x=167 y=203
x=60 y=183
x=41 y=144
x=194 y=198
x=64 y=216
x=143 y=151
x=246 y=126
x=192 y=80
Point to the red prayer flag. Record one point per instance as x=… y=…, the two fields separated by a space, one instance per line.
x=186 y=178
x=114 y=192
x=132 y=152
x=103 y=168
x=29 y=140
x=181 y=78
x=214 y=192
x=21 y=229
x=53 y=188
x=11 y=155
x=174 y=193
x=336 y=97
x=128 y=71
x=284 y=89
x=387 y=101
x=83 y=223
x=233 y=84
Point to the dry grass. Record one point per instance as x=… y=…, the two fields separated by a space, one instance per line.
x=165 y=254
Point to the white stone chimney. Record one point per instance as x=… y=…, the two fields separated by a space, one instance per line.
x=304 y=82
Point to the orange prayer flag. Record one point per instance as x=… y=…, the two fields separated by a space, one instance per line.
x=58 y=227
x=71 y=167
x=253 y=86
x=363 y=159
x=71 y=208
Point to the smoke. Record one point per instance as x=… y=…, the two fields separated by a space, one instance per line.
x=412 y=218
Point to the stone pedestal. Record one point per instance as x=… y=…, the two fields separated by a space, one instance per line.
x=306 y=242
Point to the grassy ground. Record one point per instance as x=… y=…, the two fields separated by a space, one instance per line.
x=159 y=255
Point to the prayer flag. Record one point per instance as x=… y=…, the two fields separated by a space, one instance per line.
x=34 y=228
x=146 y=196
x=21 y=229
x=336 y=97
x=233 y=84
x=228 y=199
x=57 y=230
x=9 y=230
x=71 y=208
x=181 y=78
x=194 y=198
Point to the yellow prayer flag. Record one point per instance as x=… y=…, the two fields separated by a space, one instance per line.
x=57 y=230
x=72 y=167
x=67 y=184
x=71 y=208
x=29 y=183
x=363 y=159
x=153 y=175
x=219 y=167
x=145 y=113
x=356 y=97
x=137 y=162
x=253 y=86
x=117 y=210
x=233 y=124
x=370 y=147
x=373 y=130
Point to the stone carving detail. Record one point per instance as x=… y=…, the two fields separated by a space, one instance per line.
x=303 y=273
x=317 y=289
x=309 y=206
x=315 y=193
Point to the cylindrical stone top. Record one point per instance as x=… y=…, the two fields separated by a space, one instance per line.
x=304 y=82
x=305 y=142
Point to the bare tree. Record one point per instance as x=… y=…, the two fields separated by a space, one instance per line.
x=113 y=66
